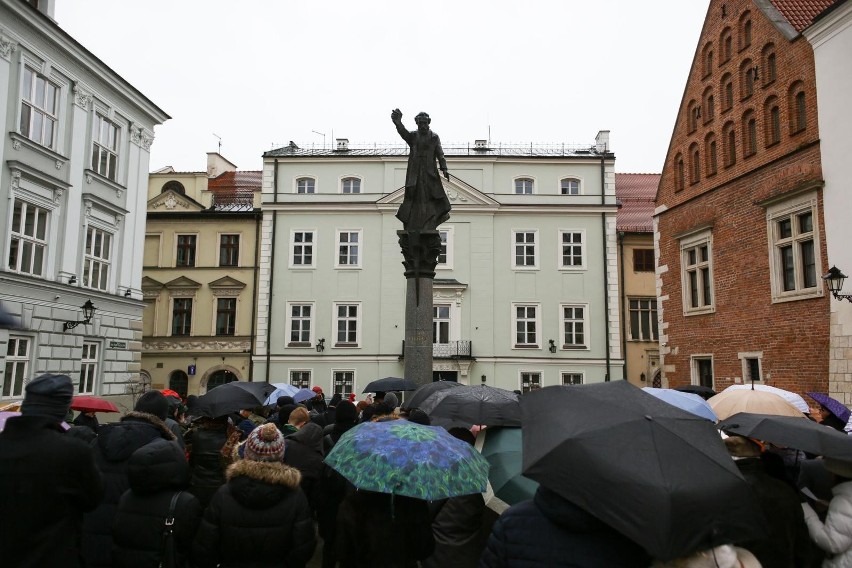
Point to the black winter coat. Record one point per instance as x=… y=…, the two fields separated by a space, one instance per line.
x=207 y=467
x=303 y=450
x=549 y=531
x=371 y=534
x=260 y=518
x=457 y=528
x=115 y=444
x=156 y=471
x=47 y=481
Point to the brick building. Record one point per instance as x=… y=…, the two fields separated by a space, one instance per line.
x=739 y=232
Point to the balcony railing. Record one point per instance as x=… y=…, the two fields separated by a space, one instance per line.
x=451 y=350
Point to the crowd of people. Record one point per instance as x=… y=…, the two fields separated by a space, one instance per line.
x=161 y=487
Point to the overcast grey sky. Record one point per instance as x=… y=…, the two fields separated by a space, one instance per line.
x=261 y=73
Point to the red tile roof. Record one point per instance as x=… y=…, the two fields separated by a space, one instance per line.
x=636 y=193
x=236 y=180
x=801 y=13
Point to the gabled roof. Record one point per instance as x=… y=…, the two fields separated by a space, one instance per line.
x=801 y=13
x=236 y=180
x=182 y=282
x=226 y=282
x=171 y=200
x=636 y=194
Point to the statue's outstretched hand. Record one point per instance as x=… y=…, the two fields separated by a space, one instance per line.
x=447 y=175
x=396 y=115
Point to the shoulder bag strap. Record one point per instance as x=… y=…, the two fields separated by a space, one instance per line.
x=167 y=552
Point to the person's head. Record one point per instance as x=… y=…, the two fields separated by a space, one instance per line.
x=391 y=400
x=462 y=434
x=299 y=417
x=153 y=402
x=265 y=443
x=317 y=393
x=368 y=412
x=419 y=417
x=48 y=395
x=422 y=120
x=724 y=556
x=284 y=401
x=335 y=400
x=346 y=413
x=741 y=447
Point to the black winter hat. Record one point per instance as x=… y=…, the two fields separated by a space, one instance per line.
x=153 y=402
x=48 y=395
x=284 y=400
x=346 y=413
x=335 y=400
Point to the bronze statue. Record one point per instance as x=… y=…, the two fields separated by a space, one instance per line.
x=425 y=205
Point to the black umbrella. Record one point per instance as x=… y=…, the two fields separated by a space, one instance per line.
x=230 y=397
x=259 y=389
x=700 y=390
x=427 y=390
x=8 y=321
x=478 y=404
x=791 y=432
x=656 y=473
x=390 y=384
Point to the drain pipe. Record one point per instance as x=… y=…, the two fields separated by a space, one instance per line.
x=271 y=270
x=605 y=267
x=624 y=309
x=253 y=339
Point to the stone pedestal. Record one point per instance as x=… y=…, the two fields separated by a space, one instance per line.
x=420 y=251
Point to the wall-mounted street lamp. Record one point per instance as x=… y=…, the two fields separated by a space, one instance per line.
x=484 y=378
x=320 y=345
x=835 y=278
x=88 y=312
x=552 y=347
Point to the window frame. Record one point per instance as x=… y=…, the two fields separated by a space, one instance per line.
x=294 y=244
x=744 y=365
x=291 y=319
x=641 y=312
x=535 y=320
x=47 y=117
x=711 y=155
x=571 y=179
x=350 y=179
x=531 y=374
x=679 y=173
x=695 y=241
x=187 y=314
x=232 y=312
x=447 y=249
x=441 y=322
x=291 y=372
x=515 y=245
x=586 y=345
x=90 y=259
x=336 y=327
x=338 y=244
x=694 y=363
x=729 y=144
x=792 y=208
x=297 y=183
x=232 y=248
x=17 y=360
x=749 y=126
x=91 y=364
x=644 y=251
x=523 y=180
x=33 y=240
x=560 y=256
x=334 y=384
x=694 y=163
x=101 y=148
x=190 y=262
x=581 y=374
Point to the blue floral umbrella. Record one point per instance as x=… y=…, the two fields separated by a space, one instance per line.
x=404 y=458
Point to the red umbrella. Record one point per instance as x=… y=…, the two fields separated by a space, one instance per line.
x=92 y=404
x=170 y=392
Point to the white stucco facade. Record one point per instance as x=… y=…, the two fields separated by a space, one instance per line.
x=74 y=172
x=483 y=292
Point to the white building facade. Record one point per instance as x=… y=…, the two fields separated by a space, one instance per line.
x=526 y=290
x=74 y=176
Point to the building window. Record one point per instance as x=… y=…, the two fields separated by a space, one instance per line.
x=692 y=114
x=794 y=250
x=530 y=381
x=707 y=58
x=305 y=185
x=798 y=108
x=745 y=30
x=343 y=383
x=697 y=275
x=730 y=139
x=694 y=164
x=726 y=44
x=105 y=147
x=711 y=157
x=643 y=260
x=181 y=316
x=226 y=316
x=350 y=185
x=526 y=251
x=175 y=186
x=441 y=324
x=526 y=326
x=28 y=245
x=571 y=249
x=445 y=257
x=751 y=366
x=301 y=316
x=702 y=371
x=709 y=105
x=772 y=119
x=17 y=366
x=574 y=327
x=300 y=378
x=302 y=245
x=679 y=173
x=178 y=382
x=572 y=378
x=88 y=368
x=349 y=249
x=748 y=74
x=229 y=250
x=524 y=186
x=727 y=92
x=39 y=108
x=97 y=259
x=769 y=66
x=185 y=250
x=569 y=186
x=643 y=319
x=347 y=325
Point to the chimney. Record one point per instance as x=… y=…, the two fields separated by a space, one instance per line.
x=602 y=141
x=342 y=144
x=480 y=145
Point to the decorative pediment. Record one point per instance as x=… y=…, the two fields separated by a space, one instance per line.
x=226 y=286
x=182 y=282
x=458 y=192
x=171 y=201
x=151 y=288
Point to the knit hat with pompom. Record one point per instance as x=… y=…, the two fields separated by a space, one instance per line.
x=265 y=443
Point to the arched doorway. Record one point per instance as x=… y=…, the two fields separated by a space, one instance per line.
x=179 y=382
x=220 y=378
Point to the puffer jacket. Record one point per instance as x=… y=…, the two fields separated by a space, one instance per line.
x=835 y=535
x=260 y=518
x=204 y=442
x=304 y=452
x=156 y=472
x=115 y=444
x=549 y=531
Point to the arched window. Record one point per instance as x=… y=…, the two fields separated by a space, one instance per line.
x=220 y=378
x=305 y=185
x=694 y=164
x=749 y=134
x=693 y=111
x=727 y=92
x=710 y=154
x=678 y=172
x=768 y=68
x=729 y=139
x=745 y=30
x=725 y=46
x=772 y=121
x=747 y=77
x=707 y=58
x=179 y=382
x=798 y=108
x=708 y=103
x=524 y=186
x=350 y=185
x=570 y=186
x=175 y=186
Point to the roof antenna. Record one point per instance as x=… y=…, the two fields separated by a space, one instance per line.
x=220 y=142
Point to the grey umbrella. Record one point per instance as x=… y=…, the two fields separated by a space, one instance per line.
x=424 y=392
x=658 y=474
x=230 y=397
x=792 y=432
x=478 y=404
x=389 y=384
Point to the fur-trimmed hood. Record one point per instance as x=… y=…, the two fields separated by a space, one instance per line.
x=260 y=485
x=117 y=442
